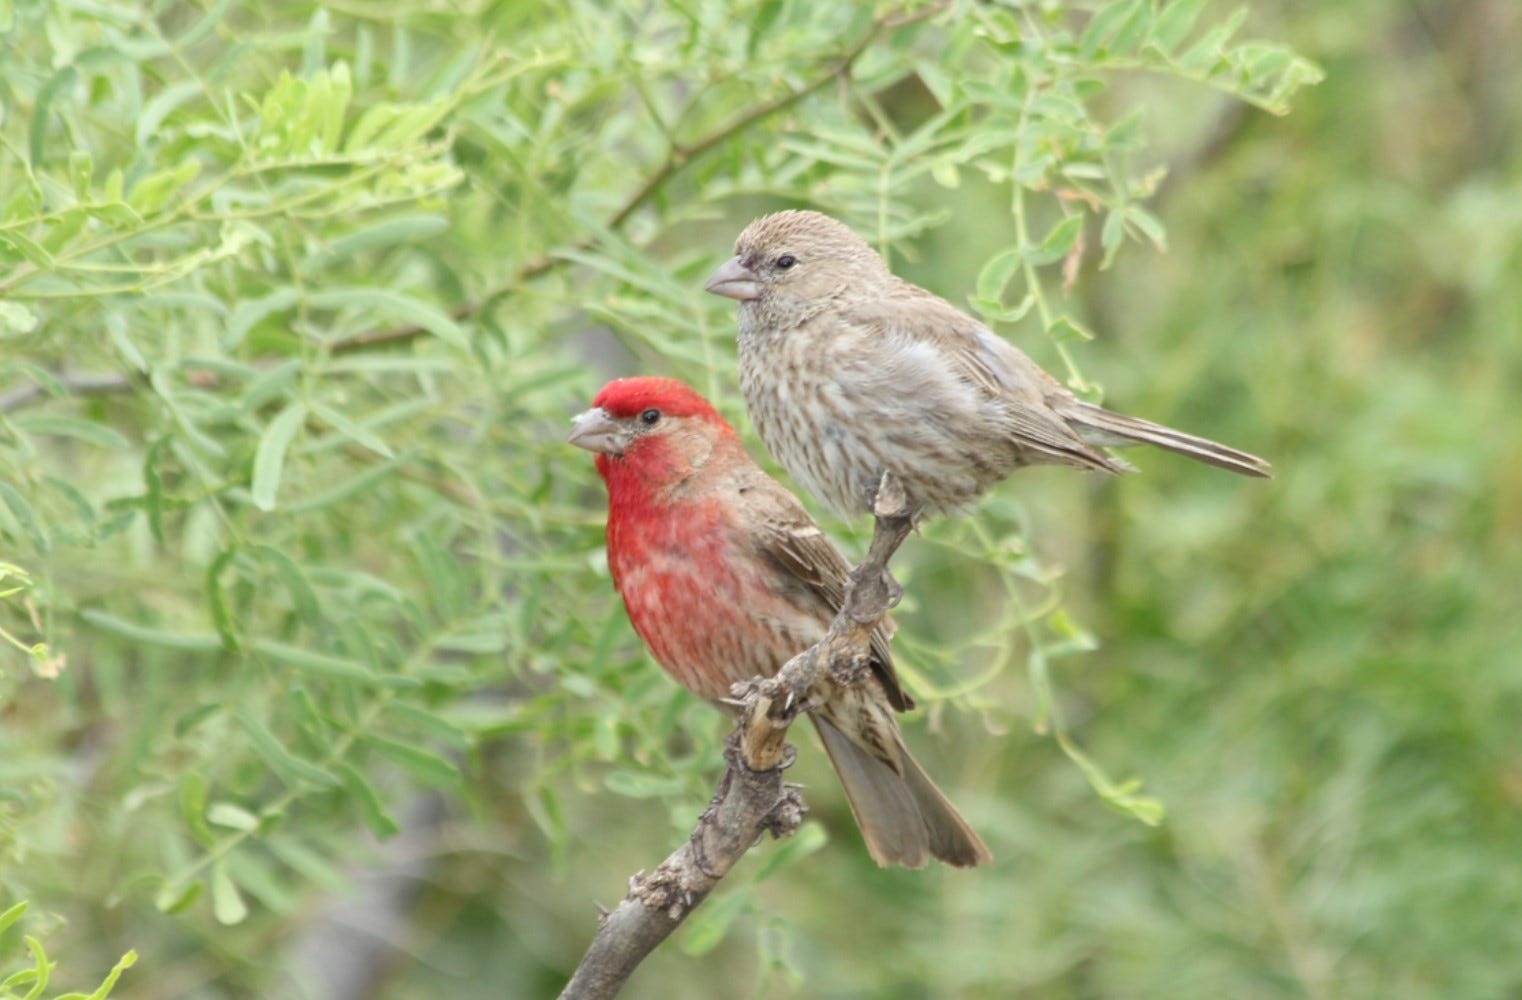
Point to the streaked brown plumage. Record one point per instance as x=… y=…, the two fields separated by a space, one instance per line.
x=849 y=371
x=726 y=577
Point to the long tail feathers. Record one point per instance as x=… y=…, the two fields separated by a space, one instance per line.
x=1108 y=428
x=905 y=819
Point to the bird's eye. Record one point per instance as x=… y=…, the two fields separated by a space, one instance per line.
x=650 y=416
x=786 y=261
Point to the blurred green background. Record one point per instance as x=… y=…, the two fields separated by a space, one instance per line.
x=337 y=700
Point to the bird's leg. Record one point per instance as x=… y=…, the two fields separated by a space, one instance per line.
x=895 y=519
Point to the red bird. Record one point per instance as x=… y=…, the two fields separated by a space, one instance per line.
x=726 y=577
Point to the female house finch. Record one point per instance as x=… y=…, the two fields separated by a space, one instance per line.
x=849 y=372
x=725 y=576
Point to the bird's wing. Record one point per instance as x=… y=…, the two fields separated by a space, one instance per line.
x=1002 y=372
x=787 y=536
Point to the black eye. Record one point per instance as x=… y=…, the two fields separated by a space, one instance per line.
x=786 y=261
x=650 y=416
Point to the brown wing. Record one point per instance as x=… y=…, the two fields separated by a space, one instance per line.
x=998 y=369
x=788 y=536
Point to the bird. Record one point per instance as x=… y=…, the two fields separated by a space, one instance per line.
x=849 y=372
x=726 y=577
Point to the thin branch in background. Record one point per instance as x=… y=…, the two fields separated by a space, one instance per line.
x=75 y=384
x=751 y=799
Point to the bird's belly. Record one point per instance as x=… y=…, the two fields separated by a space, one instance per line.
x=710 y=628
x=836 y=429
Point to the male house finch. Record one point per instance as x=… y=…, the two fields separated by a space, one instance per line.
x=850 y=372
x=725 y=576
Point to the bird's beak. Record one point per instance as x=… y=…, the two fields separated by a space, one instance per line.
x=595 y=431
x=734 y=280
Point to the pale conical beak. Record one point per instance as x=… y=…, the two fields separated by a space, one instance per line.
x=595 y=431
x=734 y=280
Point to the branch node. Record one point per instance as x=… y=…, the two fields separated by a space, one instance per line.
x=786 y=816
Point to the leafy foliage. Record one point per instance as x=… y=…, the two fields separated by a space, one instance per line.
x=294 y=301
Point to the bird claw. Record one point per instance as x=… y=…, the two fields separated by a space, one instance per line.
x=852 y=672
x=893 y=595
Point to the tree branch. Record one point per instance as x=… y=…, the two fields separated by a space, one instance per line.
x=76 y=384
x=751 y=798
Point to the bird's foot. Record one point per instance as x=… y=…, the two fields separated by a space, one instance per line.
x=851 y=672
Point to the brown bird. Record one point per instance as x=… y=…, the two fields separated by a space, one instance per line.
x=849 y=372
x=726 y=577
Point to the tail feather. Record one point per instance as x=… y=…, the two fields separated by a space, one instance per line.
x=1110 y=429
x=904 y=818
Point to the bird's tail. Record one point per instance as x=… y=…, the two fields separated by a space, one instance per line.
x=1107 y=428
x=903 y=818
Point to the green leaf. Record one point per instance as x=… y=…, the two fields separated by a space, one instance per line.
x=251 y=311
x=1204 y=54
x=995 y=274
x=152 y=192
x=364 y=798
x=394 y=306
x=427 y=766
x=638 y=785
x=16 y=318
x=1064 y=328
x=434 y=727
x=193 y=808
x=1123 y=796
x=1150 y=225
x=197 y=641
x=11 y=915
x=256 y=877
x=303 y=597
x=1061 y=239
x=216 y=599
x=226 y=901
x=351 y=430
x=57 y=84
x=1111 y=236
x=41 y=968
x=176 y=896
x=1112 y=23
x=29 y=248
x=407 y=229
x=24 y=514
x=103 y=991
x=290 y=768
x=80 y=430
x=233 y=817
x=809 y=838
x=1175 y=23
x=270 y=385
x=345 y=488
x=319 y=664
x=269 y=460
x=116 y=329
x=161 y=106
x=544 y=805
x=311 y=865
x=711 y=921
